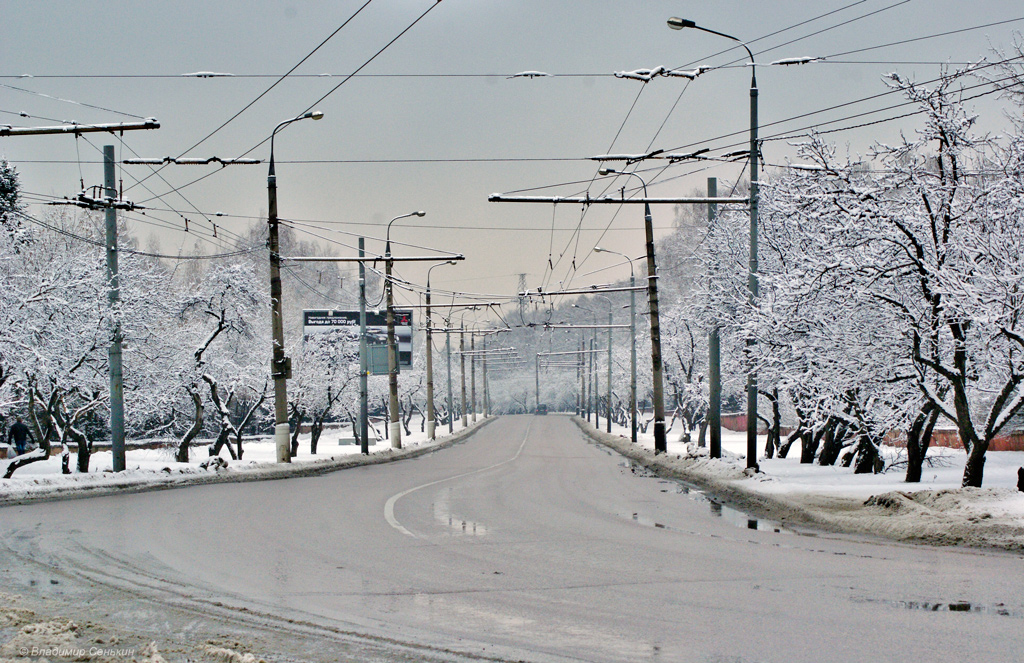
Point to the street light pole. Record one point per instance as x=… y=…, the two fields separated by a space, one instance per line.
x=280 y=366
x=395 y=417
x=632 y=342
x=472 y=374
x=608 y=390
x=678 y=24
x=431 y=423
x=448 y=350
x=658 y=388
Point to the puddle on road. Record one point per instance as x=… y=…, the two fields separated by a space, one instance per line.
x=716 y=508
x=999 y=609
x=457 y=526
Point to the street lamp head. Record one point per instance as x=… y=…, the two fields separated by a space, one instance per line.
x=677 y=23
x=420 y=213
x=598 y=249
x=316 y=115
x=604 y=170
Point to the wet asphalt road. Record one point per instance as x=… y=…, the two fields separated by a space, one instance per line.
x=524 y=542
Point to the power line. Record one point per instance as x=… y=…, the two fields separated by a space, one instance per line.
x=275 y=83
x=330 y=92
x=103 y=245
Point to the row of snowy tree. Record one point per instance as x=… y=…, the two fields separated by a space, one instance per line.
x=196 y=339
x=890 y=288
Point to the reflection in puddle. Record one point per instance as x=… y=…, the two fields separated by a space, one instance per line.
x=718 y=510
x=1000 y=609
x=457 y=525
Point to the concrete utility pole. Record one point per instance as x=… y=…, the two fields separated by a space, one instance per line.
x=364 y=391
x=714 y=358
x=280 y=365
x=114 y=296
x=110 y=204
x=658 y=386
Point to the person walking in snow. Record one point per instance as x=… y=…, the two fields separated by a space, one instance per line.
x=19 y=434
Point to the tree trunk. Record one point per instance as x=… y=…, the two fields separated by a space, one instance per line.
x=808 y=446
x=790 y=439
x=868 y=459
x=84 y=450
x=774 y=441
x=832 y=444
x=226 y=427
x=919 y=439
x=197 y=424
x=974 y=471
x=25 y=459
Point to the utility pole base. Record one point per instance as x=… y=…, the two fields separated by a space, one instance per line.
x=431 y=426
x=396 y=434
x=281 y=441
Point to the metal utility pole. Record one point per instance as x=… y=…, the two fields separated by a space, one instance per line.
x=394 y=416
x=632 y=342
x=430 y=370
x=536 y=372
x=393 y=407
x=364 y=391
x=431 y=419
x=448 y=349
x=714 y=358
x=608 y=405
x=114 y=296
x=472 y=373
x=592 y=369
x=462 y=363
x=280 y=365
x=483 y=372
x=75 y=129
x=583 y=378
x=678 y=24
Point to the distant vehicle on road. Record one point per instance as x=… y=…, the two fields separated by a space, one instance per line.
x=541 y=409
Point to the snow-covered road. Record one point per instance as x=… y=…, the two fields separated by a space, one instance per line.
x=524 y=542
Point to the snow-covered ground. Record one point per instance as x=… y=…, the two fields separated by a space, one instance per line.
x=146 y=468
x=937 y=510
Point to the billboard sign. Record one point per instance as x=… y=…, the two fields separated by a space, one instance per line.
x=314 y=322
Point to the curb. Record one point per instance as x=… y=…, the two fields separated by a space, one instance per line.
x=256 y=473
x=754 y=503
x=943 y=531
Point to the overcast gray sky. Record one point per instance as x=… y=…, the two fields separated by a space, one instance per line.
x=435 y=122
